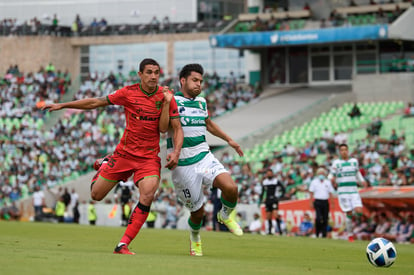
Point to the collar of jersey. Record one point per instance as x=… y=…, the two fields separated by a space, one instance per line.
x=145 y=92
x=181 y=94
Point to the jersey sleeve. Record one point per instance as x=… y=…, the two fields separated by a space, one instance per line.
x=312 y=187
x=118 y=97
x=173 y=109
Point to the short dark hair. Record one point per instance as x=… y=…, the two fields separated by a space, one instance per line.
x=343 y=145
x=147 y=61
x=187 y=69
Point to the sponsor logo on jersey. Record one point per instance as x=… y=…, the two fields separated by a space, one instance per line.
x=147 y=118
x=198 y=121
x=188 y=121
x=184 y=120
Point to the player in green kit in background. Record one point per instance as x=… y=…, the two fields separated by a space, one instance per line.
x=345 y=173
x=197 y=166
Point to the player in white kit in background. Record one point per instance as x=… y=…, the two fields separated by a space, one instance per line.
x=345 y=174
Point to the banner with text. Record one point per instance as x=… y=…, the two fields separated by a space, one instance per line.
x=299 y=37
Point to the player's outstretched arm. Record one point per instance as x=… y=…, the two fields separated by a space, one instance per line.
x=82 y=104
x=172 y=158
x=214 y=129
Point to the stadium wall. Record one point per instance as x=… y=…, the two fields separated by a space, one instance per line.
x=384 y=87
x=31 y=52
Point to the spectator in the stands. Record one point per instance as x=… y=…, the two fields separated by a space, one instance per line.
x=166 y=24
x=375 y=127
x=409 y=110
x=355 y=111
x=155 y=24
x=352 y=3
x=103 y=22
x=383 y=226
x=258 y=25
x=271 y=24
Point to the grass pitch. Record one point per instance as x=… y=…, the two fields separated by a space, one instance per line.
x=44 y=248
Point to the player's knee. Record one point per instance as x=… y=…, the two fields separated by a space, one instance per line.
x=96 y=196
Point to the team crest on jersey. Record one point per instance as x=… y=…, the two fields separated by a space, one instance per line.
x=158 y=104
x=181 y=110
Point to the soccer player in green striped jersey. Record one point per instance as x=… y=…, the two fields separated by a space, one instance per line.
x=197 y=166
x=346 y=175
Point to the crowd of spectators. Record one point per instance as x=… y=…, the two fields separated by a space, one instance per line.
x=86 y=27
x=24 y=146
x=394 y=226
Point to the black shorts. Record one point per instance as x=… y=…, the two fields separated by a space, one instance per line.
x=271 y=204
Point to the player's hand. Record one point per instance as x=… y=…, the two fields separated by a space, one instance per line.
x=310 y=204
x=52 y=107
x=172 y=160
x=236 y=147
x=167 y=94
x=364 y=184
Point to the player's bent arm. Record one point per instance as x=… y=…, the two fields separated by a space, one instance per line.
x=165 y=117
x=361 y=179
x=178 y=134
x=214 y=129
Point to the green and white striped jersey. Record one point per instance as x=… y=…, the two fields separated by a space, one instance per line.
x=346 y=173
x=193 y=114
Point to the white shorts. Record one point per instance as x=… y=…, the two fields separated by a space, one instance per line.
x=189 y=180
x=348 y=202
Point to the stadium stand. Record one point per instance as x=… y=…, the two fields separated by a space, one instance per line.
x=303 y=19
x=10 y=26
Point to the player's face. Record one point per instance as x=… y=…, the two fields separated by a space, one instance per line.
x=192 y=84
x=343 y=151
x=269 y=174
x=149 y=77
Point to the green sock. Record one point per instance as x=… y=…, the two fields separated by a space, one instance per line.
x=227 y=208
x=194 y=231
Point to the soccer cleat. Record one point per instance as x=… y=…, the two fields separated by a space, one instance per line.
x=195 y=248
x=99 y=162
x=123 y=249
x=351 y=239
x=233 y=226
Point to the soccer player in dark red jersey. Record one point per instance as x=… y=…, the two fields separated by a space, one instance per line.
x=149 y=109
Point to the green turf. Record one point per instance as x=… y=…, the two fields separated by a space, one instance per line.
x=44 y=248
